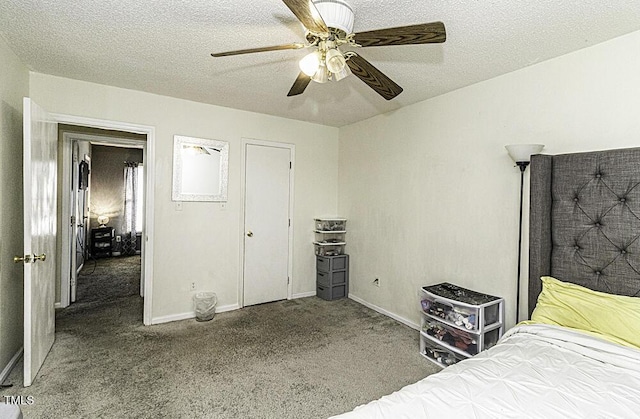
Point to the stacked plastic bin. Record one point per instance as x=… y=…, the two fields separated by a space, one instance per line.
x=332 y=264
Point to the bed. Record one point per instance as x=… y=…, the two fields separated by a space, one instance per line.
x=579 y=356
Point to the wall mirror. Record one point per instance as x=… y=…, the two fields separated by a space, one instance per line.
x=200 y=169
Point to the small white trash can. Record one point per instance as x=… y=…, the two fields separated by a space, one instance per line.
x=205 y=305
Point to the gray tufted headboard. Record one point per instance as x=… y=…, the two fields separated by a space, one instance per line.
x=585 y=221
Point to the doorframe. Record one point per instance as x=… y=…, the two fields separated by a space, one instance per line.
x=65 y=215
x=149 y=171
x=243 y=174
x=68 y=140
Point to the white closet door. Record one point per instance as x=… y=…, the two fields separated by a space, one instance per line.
x=266 y=240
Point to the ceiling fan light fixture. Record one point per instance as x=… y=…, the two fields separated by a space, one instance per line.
x=328 y=25
x=337 y=14
x=335 y=60
x=310 y=63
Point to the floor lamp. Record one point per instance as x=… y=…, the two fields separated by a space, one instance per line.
x=521 y=154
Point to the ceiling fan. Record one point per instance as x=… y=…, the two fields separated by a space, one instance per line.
x=329 y=25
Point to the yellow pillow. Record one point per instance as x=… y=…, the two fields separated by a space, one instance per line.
x=612 y=317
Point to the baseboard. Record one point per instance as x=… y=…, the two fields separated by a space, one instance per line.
x=190 y=314
x=229 y=307
x=303 y=295
x=173 y=318
x=385 y=312
x=12 y=363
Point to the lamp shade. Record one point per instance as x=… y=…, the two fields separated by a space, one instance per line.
x=310 y=63
x=103 y=220
x=342 y=73
x=522 y=152
x=321 y=76
x=335 y=60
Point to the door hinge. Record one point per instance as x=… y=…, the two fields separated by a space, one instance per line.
x=73 y=219
x=288 y=280
x=289 y=222
x=289 y=165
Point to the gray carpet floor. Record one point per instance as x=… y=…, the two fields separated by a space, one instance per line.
x=304 y=358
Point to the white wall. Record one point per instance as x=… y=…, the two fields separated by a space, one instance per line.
x=201 y=243
x=430 y=192
x=14 y=84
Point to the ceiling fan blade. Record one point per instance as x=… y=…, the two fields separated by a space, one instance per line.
x=425 y=33
x=308 y=14
x=375 y=78
x=299 y=85
x=262 y=49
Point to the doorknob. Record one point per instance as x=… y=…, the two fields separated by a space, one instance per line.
x=250 y=233
x=25 y=259
x=41 y=257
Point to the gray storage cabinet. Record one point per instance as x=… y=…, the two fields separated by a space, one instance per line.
x=332 y=277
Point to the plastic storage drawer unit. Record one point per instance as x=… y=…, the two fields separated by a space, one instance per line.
x=331 y=224
x=329 y=279
x=332 y=277
x=464 y=308
x=332 y=263
x=438 y=354
x=457 y=323
x=331 y=293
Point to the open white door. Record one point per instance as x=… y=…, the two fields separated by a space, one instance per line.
x=40 y=167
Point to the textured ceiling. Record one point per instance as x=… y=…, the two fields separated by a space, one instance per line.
x=163 y=47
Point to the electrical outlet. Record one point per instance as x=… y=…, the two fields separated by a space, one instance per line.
x=118 y=239
x=376 y=282
x=193 y=286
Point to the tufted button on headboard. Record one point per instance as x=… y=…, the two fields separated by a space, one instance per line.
x=585 y=221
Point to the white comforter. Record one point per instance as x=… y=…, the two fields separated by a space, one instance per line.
x=536 y=371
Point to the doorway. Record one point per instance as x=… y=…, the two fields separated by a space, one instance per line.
x=146 y=139
x=102 y=216
x=268 y=230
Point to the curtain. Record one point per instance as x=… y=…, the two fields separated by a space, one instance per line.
x=130 y=207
